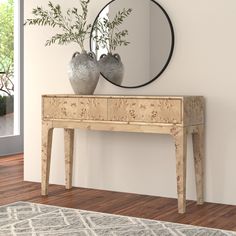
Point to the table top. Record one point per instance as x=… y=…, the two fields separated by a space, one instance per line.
x=121 y=96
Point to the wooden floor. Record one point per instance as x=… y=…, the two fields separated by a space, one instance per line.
x=13 y=188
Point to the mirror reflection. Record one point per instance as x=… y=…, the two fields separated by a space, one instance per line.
x=133 y=41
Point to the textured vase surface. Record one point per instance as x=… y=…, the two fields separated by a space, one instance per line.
x=112 y=68
x=84 y=73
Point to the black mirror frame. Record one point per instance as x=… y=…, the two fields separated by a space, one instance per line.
x=170 y=54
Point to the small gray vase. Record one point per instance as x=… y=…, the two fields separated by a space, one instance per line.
x=112 y=68
x=84 y=72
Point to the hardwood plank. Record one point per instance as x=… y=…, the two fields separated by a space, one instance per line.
x=13 y=189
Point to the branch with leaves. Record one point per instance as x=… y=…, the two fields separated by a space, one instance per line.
x=6 y=83
x=73 y=25
x=107 y=32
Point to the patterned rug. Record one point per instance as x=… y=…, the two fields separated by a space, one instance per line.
x=29 y=219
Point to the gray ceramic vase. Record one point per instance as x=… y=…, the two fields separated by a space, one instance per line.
x=112 y=68
x=84 y=73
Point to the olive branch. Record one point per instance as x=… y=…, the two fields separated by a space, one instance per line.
x=73 y=25
x=107 y=33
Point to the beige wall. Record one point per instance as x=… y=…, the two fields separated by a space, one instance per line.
x=203 y=63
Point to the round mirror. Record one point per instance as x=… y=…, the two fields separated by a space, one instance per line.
x=133 y=41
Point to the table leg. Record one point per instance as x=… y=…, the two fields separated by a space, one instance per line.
x=198 y=150
x=69 y=147
x=180 y=136
x=47 y=134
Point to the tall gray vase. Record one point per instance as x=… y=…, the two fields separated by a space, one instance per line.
x=112 y=68
x=84 y=73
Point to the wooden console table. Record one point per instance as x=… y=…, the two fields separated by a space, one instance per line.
x=176 y=116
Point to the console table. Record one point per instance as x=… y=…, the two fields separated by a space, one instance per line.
x=176 y=116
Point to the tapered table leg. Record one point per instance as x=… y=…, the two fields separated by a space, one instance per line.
x=198 y=150
x=69 y=147
x=47 y=133
x=180 y=136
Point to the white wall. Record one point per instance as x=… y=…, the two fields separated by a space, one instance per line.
x=203 y=64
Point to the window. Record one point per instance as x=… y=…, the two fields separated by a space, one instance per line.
x=10 y=77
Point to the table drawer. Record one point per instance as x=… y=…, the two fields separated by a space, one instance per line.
x=145 y=110
x=75 y=108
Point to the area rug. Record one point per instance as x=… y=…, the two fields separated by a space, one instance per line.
x=29 y=219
